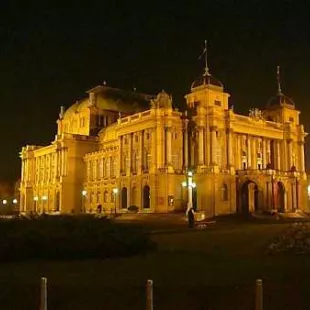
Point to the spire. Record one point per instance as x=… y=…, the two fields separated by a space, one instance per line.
x=279 y=81
x=205 y=54
x=205 y=51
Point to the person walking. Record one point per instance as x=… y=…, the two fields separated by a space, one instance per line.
x=191 y=218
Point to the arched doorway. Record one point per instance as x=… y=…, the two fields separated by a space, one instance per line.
x=281 y=197
x=134 y=196
x=124 y=198
x=249 y=197
x=146 y=197
x=57 y=202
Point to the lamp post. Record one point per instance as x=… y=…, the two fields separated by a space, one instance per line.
x=115 y=191
x=84 y=193
x=44 y=199
x=190 y=185
x=35 y=200
x=4 y=201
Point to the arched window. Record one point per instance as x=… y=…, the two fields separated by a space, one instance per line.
x=105 y=196
x=112 y=166
x=124 y=198
x=224 y=192
x=146 y=197
x=134 y=162
x=104 y=167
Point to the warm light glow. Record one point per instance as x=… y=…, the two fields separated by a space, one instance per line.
x=44 y=197
x=115 y=190
x=35 y=198
x=4 y=201
x=193 y=185
x=15 y=201
x=184 y=184
x=190 y=173
x=84 y=192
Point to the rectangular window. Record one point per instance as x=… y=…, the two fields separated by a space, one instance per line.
x=217 y=102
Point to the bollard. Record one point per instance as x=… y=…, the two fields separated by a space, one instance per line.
x=43 y=297
x=149 y=295
x=259 y=295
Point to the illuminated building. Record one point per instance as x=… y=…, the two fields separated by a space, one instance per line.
x=118 y=149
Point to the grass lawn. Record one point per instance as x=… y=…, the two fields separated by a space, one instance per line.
x=213 y=269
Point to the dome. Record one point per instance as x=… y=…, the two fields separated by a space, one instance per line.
x=207 y=80
x=112 y=99
x=280 y=100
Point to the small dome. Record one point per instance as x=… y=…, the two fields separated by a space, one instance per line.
x=206 y=80
x=280 y=100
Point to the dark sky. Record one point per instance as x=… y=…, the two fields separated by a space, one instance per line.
x=50 y=55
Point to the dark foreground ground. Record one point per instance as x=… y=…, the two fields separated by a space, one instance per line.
x=213 y=269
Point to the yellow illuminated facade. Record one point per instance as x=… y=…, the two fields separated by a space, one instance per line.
x=118 y=149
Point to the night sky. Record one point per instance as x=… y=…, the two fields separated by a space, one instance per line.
x=51 y=55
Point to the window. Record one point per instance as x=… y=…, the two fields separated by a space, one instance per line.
x=136 y=138
x=147 y=136
x=217 y=102
x=82 y=121
x=244 y=153
x=244 y=165
x=105 y=196
x=291 y=119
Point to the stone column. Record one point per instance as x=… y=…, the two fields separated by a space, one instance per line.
x=230 y=158
x=128 y=172
x=213 y=146
x=200 y=146
x=249 y=152
x=185 y=145
x=264 y=155
x=301 y=157
x=168 y=146
x=290 y=153
x=141 y=136
x=254 y=153
x=153 y=151
x=120 y=155
x=278 y=152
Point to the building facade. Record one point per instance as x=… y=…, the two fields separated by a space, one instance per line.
x=117 y=149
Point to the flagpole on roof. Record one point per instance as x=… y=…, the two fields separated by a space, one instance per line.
x=279 y=81
x=205 y=52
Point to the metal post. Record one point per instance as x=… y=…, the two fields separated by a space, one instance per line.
x=115 y=204
x=272 y=193
x=297 y=198
x=149 y=295
x=259 y=295
x=43 y=297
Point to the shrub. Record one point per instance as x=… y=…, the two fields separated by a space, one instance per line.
x=70 y=237
x=133 y=209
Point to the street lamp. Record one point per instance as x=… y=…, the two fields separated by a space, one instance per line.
x=4 y=201
x=115 y=191
x=35 y=199
x=190 y=185
x=84 y=193
x=14 y=201
x=44 y=199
